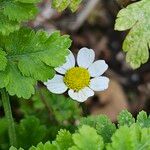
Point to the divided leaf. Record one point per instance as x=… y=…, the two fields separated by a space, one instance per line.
x=46 y=146
x=17 y=11
x=63 y=140
x=30 y=57
x=13 y=12
x=133 y=137
x=88 y=138
x=143 y=120
x=14 y=148
x=60 y=5
x=136 y=18
x=125 y=118
x=102 y=124
x=7 y=26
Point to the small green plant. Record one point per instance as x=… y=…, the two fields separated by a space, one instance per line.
x=99 y=133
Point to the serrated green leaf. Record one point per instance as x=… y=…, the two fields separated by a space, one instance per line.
x=7 y=26
x=3 y=60
x=31 y=56
x=60 y=5
x=143 y=120
x=63 y=140
x=17 y=11
x=130 y=138
x=125 y=118
x=74 y=5
x=12 y=13
x=14 y=148
x=136 y=18
x=19 y=85
x=87 y=138
x=30 y=132
x=46 y=146
x=102 y=124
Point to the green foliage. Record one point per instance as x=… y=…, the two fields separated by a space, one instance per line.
x=46 y=146
x=136 y=18
x=7 y=26
x=143 y=120
x=125 y=118
x=30 y=132
x=102 y=124
x=60 y=5
x=13 y=12
x=134 y=135
x=14 y=148
x=130 y=138
x=63 y=140
x=88 y=138
x=62 y=108
x=3 y=60
x=30 y=56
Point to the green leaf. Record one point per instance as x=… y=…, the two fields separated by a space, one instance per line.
x=7 y=26
x=136 y=18
x=14 y=12
x=30 y=132
x=60 y=5
x=125 y=118
x=63 y=140
x=31 y=56
x=46 y=146
x=143 y=120
x=74 y=5
x=14 y=148
x=17 y=11
x=130 y=138
x=3 y=60
x=19 y=85
x=88 y=138
x=102 y=124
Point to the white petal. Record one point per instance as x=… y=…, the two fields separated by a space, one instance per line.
x=88 y=92
x=82 y=95
x=99 y=83
x=85 y=57
x=98 y=68
x=56 y=85
x=70 y=62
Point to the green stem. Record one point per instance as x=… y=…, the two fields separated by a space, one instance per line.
x=8 y=114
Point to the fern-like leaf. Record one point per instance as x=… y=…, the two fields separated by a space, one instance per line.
x=125 y=118
x=88 y=138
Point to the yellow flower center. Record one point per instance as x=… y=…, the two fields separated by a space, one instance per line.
x=77 y=78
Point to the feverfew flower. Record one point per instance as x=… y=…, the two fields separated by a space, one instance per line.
x=81 y=80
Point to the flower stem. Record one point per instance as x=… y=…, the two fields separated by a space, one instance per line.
x=10 y=121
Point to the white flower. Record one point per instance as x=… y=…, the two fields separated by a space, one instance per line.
x=81 y=80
